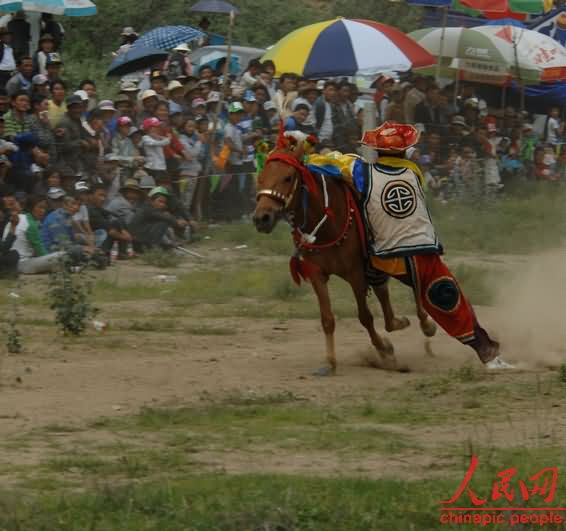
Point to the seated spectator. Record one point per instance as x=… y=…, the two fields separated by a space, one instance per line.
x=56 y=231
x=9 y=257
x=176 y=93
x=545 y=165
x=286 y=95
x=43 y=130
x=34 y=259
x=81 y=221
x=395 y=110
x=50 y=179
x=21 y=80
x=297 y=120
x=152 y=225
x=124 y=205
x=123 y=147
x=102 y=221
x=251 y=76
x=326 y=114
x=55 y=198
x=158 y=82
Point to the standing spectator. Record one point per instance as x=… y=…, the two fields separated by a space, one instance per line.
x=149 y=101
x=39 y=86
x=286 y=95
x=7 y=60
x=17 y=120
x=89 y=86
x=428 y=113
x=178 y=64
x=123 y=147
x=46 y=46
x=553 y=128
x=52 y=27
x=266 y=77
x=383 y=85
x=21 y=80
x=325 y=114
x=395 y=111
x=415 y=95
x=158 y=82
x=57 y=104
x=21 y=29
x=42 y=128
x=176 y=93
x=191 y=166
x=129 y=36
x=71 y=136
x=53 y=66
x=251 y=76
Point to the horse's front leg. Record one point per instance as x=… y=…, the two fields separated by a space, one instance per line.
x=384 y=348
x=319 y=283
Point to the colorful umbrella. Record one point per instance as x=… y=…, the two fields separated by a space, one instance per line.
x=167 y=37
x=492 y=9
x=71 y=8
x=496 y=52
x=345 y=47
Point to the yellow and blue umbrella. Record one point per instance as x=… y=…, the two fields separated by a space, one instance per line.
x=346 y=47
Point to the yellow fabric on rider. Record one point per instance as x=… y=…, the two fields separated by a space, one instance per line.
x=391 y=266
x=398 y=162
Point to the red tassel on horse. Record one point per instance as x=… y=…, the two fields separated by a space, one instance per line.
x=302 y=269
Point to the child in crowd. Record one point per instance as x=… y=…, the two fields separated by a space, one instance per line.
x=190 y=169
x=153 y=144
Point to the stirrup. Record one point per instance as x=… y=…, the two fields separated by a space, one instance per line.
x=498 y=363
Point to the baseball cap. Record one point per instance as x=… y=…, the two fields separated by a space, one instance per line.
x=249 y=96
x=54 y=59
x=39 y=79
x=148 y=94
x=174 y=85
x=74 y=100
x=198 y=102
x=235 y=106
x=269 y=106
x=56 y=193
x=124 y=120
x=159 y=190
x=81 y=186
x=148 y=123
x=213 y=97
x=129 y=86
x=106 y=105
x=81 y=94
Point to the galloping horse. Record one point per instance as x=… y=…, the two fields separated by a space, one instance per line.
x=329 y=238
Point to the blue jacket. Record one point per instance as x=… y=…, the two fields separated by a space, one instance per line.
x=57 y=230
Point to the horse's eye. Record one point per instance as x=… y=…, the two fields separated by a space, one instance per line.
x=288 y=178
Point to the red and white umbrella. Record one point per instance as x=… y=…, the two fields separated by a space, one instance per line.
x=347 y=47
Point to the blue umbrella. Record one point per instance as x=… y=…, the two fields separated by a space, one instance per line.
x=215 y=6
x=167 y=37
x=135 y=59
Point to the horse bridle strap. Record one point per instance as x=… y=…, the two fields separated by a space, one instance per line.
x=274 y=194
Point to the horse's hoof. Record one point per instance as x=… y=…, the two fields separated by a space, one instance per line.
x=429 y=327
x=387 y=349
x=324 y=371
x=397 y=323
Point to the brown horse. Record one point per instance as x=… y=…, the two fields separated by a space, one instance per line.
x=329 y=239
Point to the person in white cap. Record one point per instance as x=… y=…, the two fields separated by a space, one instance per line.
x=129 y=36
x=149 y=101
x=178 y=63
x=176 y=93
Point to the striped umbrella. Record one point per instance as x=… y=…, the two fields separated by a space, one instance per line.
x=496 y=52
x=167 y=37
x=70 y=8
x=346 y=47
x=492 y=9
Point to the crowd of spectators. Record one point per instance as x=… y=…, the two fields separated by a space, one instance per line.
x=95 y=177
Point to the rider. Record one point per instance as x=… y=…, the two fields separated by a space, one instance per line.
x=406 y=245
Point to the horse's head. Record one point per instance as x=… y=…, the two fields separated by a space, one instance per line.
x=277 y=186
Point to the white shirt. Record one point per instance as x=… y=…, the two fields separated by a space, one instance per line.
x=326 y=129
x=153 y=151
x=553 y=126
x=22 y=244
x=82 y=215
x=8 y=63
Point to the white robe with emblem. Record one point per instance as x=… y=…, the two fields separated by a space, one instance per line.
x=397 y=216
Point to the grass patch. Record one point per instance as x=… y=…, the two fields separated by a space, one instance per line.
x=206 y=502
x=161 y=259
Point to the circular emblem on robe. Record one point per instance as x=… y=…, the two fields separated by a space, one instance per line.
x=399 y=199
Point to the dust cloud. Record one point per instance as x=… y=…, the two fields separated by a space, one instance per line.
x=531 y=311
